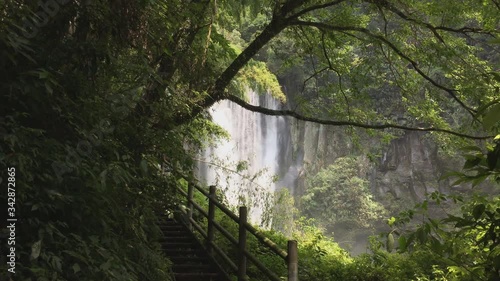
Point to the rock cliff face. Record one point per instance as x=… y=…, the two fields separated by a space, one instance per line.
x=409 y=167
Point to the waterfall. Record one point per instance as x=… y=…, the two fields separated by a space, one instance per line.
x=259 y=143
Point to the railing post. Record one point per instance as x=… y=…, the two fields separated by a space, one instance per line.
x=211 y=215
x=242 y=242
x=292 y=260
x=190 y=205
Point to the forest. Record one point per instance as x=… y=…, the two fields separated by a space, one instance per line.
x=391 y=110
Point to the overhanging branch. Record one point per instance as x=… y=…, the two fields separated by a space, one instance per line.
x=325 y=26
x=433 y=29
x=273 y=112
x=314 y=8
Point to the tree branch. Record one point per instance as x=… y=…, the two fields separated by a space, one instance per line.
x=273 y=112
x=315 y=7
x=218 y=91
x=330 y=66
x=311 y=77
x=434 y=29
x=324 y=26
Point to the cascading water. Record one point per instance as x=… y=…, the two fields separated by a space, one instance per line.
x=258 y=152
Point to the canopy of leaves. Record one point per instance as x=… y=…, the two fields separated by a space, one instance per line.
x=337 y=196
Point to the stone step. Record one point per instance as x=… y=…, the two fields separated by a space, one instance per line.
x=197 y=277
x=194 y=260
x=178 y=245
x=172 y=228
x=189 y=260
x=190 y=252
x=193 y=268
x=169 y=233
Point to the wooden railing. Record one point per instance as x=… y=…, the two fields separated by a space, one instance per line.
x=289 y=256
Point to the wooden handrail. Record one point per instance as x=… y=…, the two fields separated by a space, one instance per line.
x=263 y=239
x=242 y=245
x=262 y=267
x=293 y=266
x=266 y=241
x=198 y=227
x=289 y=256
x=226 y=233
x=218 y=204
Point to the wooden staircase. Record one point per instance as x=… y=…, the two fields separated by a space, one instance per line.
x=190 y=261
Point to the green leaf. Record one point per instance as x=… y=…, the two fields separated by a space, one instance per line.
x=496 y=262
x=478 y=211
x=494 y=41
x=35 y=249
x=391 y=221
x=435 y=244
x=471 y=163
x=403 y=243
x=425 y=205
x=144 y=166
x=421 y=236
x=106 y=265
x=492 y=117
x=451 y=174
x=76 y=268
x=484 y=107
x=496 y=75
x=57 y=263
x=463 y=223
x=479 y=179
x=471 y=148
x=390 y=242
x=493 y=157
x=75 y=255
x=434 y=223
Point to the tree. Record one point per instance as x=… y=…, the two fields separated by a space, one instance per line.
x=337 y=198
x=434 y=61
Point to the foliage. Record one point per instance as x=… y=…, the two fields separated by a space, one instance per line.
x=336 y=195
x=282 y=215
x=322 y=259
x=466 y=244
x=257 y=76
x=89 y=168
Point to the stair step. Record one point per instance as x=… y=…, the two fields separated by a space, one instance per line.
x=178 y=245
x=171 y=237
x=182 y=252
x=172 y=227
x=177 y=237
x=193 y=268
x=179 y=240
x=196 y=276
x=165 y=222
x=168 y=221
x=188 y=260
x=176 y=233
